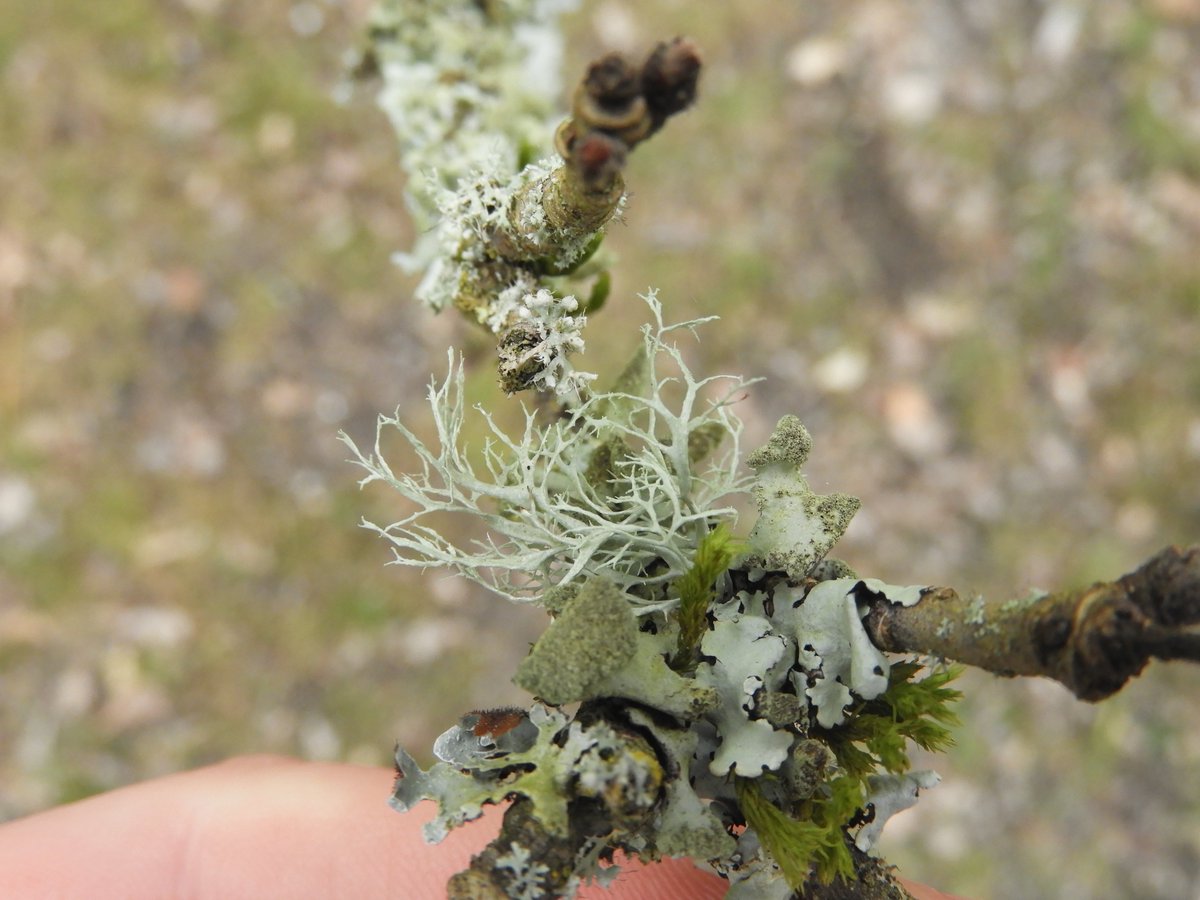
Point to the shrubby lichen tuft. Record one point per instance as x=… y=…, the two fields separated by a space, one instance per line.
x=547 y=523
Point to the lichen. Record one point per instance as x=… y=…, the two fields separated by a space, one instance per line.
x=463 y=82
x=684 y=825
x=595 y=635
x=549 y=525
x=747 y=656
x=889 y=794
x=836 y=655
x=977 y=612
x=461 y=791
x=648 y=680
x=733 y=707
x=528 y=880
x=470 y=90
x=795 y=527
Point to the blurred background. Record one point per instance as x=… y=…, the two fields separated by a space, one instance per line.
x=961 y=241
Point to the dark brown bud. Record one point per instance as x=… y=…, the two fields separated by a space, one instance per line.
x=670 y=76
x=612 y=80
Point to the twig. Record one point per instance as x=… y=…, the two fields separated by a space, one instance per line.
x=1092 y=640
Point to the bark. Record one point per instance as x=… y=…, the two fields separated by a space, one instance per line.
x=1092 y=640
x=616 y=106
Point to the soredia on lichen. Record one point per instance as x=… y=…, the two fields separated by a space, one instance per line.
x=796 y=527
x=595 y=635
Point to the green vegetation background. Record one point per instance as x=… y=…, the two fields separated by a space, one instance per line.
x=960 y=242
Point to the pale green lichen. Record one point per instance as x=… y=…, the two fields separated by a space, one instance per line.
x=976 y=611
x=796 y=527
x=592 y=760
x=595 y=635
x=1017 y=604
x=528 y=876
x=684 y=825
x=789 y=445
x=747 y=656
x=764 y=721
x=463 y=82
x=555 y=598
x=461 y=792
x=547 y=523
x=471 y=90
x=647 y=679
x=889 y=794
x=830 y=569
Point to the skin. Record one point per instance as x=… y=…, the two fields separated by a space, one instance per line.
x=261 y=826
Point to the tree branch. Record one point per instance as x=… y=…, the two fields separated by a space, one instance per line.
x=553 y=223
x=616 y=106
x=1092 y=640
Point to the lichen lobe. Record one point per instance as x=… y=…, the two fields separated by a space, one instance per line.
x=796 y=527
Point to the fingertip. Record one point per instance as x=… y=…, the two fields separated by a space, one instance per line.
x=667 y=879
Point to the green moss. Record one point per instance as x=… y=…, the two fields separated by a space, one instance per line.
x=713 y=557
x=802 y=820
x=876 y=731
x=813 y=840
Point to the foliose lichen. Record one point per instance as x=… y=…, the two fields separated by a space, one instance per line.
x=594 y=636
x=796 y=527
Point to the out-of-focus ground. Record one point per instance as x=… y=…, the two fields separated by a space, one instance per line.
x=961 y=241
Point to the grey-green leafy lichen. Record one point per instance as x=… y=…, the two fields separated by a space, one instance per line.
x=565 y=760
x=760 y=708
x=796 y=527
x=785 y=704
x=647 y=679
x=685 y=825
x=747 y=656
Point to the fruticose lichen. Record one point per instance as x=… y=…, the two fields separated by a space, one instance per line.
x=553 y=517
